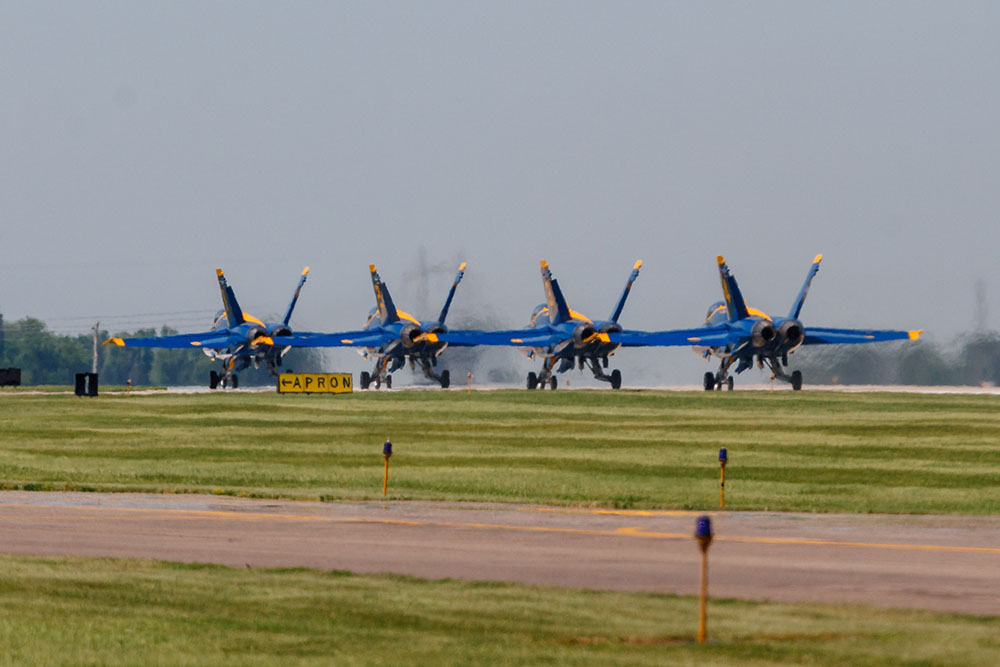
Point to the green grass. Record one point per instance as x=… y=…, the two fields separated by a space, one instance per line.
x=808 y=451
x=112 y=612
x=61 y=388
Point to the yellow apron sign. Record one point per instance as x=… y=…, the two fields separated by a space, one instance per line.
x=315 y=383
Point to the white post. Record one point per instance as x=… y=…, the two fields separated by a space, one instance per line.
x=93 y=366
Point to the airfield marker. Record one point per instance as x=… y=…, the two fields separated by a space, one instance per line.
x=386 y=452
x=723 y=457
x=703 y=533
x=469 y=385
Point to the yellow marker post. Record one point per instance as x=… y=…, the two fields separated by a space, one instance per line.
x=723 y=457
x=386 y=452
x=703 y=533
x=468 y=387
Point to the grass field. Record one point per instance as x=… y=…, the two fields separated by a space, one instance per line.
x=809 y=451
x=62 y=389
x=100 y=611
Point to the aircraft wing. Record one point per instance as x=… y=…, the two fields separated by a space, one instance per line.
x=538 y=337
x=716 y=336
x=827 y=336
x=210 y=339
x=361 y=338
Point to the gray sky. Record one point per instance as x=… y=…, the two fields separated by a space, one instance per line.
x=145 y=143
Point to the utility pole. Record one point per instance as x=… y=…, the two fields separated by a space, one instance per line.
x=93 y=367
x=982 y=310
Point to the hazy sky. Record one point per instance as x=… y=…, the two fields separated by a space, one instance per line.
x=144 y=144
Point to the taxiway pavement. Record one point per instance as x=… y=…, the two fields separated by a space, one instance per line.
x=945 y=563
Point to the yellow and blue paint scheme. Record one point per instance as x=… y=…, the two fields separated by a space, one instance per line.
x=740 y=335
x=236 y=338
x=391 y=336
x=561 y=337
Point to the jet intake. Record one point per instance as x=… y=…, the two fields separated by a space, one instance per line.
x=762 y=333
x=408 y=335
x=583 y=334
x=791 y=332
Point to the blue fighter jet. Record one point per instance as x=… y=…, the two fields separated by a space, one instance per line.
x=559 y=335
x=236 y=338
x=738 y=334
x=391 y=336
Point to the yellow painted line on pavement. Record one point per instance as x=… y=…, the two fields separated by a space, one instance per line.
x=865 y=545
x=795 y=541
x=607 y=512
x=628 y=531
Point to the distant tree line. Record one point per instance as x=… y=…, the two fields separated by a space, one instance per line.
x=971 y=359
x=45 y=357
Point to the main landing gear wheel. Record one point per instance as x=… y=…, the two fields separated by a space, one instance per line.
x=729 y=384
x=366 y=379
x=709 y=381
x=236 y=381
x=532 y=380
x=445 y=379
x=553 y=383
x=213 y=380
x=388 y=382
x=616 y=379
x=797 y=380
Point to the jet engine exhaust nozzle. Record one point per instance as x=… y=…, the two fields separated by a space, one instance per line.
x=611 y=327
x=253 y=333
x=583 y=334
x=791 y=331
x=762 y=333
x=409 y=335
x=281 y=330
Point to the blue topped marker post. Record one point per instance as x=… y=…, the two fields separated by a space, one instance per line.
x=386 y=452
x=703 y=534
x=723 y=457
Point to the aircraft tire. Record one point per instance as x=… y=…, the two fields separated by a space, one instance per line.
x=365 y=379
x=709 y=381
x=532 y=380
x=553 y=383
x=797 y=380
x=236 y=381
x=729 y=384
x=445 y=379
x=388 y=382
x=213 y=380
x=616 y=379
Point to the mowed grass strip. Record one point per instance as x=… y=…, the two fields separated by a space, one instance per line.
x=808 y=451
x=112 y=612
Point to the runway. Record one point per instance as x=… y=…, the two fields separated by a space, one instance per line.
x=945 y=563
x=405 y=387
